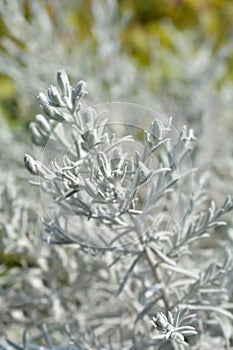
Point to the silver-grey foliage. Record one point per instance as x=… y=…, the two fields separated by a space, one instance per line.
x=140 y=262
x=107 y=203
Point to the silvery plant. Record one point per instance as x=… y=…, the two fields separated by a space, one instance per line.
x=28 y=30
x=184 y=79
x=133 y=211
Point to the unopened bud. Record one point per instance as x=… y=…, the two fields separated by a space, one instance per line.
x=160 y=321
x=31 y=165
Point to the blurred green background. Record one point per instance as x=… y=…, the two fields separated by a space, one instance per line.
x=140 y=25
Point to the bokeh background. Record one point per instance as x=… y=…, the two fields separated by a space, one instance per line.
x=175 y=56
x=163 y=46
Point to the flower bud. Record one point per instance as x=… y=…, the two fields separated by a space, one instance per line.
x=63 y=83
x=31 y=165
x=160 y=321
x=55 y=97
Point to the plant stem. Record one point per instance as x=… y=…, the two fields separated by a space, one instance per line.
x=157 y=276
